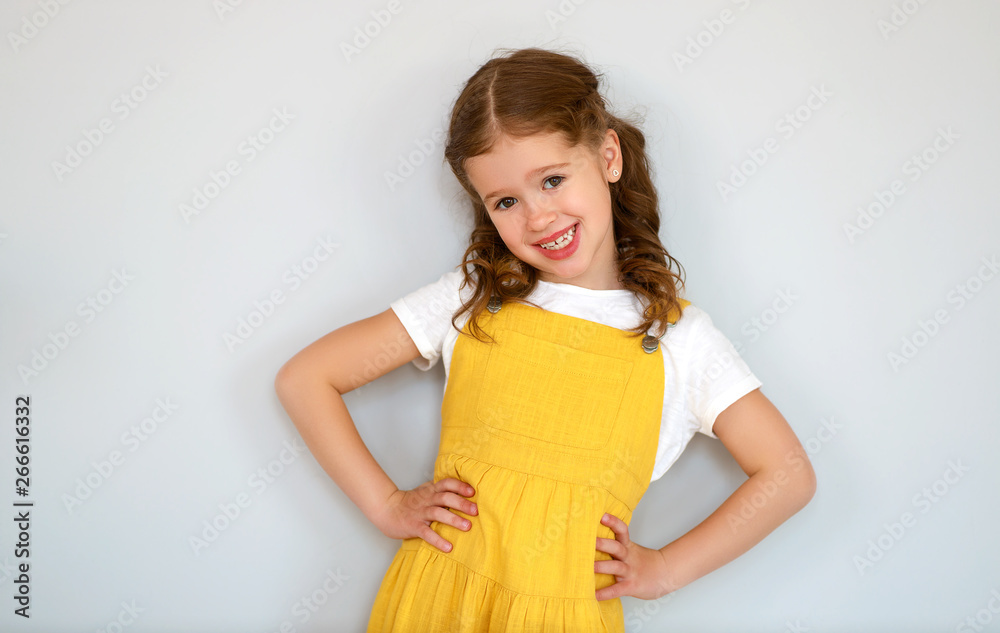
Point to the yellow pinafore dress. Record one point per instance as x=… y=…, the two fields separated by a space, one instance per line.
x=553 y=425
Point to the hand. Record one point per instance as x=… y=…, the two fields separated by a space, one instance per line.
x=409 y=513
x=639 y=571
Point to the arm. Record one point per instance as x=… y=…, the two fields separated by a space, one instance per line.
x=781 y=482
x=310 y=387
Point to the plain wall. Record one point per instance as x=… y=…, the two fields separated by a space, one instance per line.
x=874 y=211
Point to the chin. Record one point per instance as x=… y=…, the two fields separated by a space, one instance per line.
x=563 y=276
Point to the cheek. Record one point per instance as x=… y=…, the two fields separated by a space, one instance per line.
x=508 y=230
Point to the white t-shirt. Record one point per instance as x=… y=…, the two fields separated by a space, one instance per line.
x=703 y=374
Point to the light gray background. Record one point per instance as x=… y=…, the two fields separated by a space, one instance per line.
x=824 y=358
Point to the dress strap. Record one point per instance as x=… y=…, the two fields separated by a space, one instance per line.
x=650 y=342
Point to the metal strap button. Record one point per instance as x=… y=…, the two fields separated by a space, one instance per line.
x=650 y=343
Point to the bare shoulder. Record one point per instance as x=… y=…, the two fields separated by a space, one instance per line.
x=352 y=355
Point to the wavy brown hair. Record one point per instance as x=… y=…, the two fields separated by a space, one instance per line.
x=530 y=91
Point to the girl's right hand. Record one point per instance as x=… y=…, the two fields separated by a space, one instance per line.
x=409 y=513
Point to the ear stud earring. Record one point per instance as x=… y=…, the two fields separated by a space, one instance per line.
x=615 y=173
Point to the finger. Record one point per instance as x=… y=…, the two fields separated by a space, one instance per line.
x=455 y=485
x=619 y=527
x=446 y=516
x=613 y=547
x=435 y=539
x=452 y=500
x=615 y=568
x=609 y=592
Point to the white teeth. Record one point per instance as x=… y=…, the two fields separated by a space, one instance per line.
x=560 y=241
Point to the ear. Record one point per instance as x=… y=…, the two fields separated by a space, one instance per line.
x=611 y=155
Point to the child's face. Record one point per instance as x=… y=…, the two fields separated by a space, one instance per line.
x=539 y=190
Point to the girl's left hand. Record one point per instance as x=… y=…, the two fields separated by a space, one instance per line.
x=639 y=571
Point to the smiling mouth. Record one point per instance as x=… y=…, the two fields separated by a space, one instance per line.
x=561 y=241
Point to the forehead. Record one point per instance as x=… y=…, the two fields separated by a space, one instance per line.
x=512 y=160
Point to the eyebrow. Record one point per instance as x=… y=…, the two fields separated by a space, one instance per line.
x=531 y=175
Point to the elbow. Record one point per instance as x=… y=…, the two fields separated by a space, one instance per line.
x=806 y=488
x=296 y=379
x=799 y=478
x=284 y=379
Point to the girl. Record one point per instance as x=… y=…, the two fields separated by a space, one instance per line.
x=575 y=377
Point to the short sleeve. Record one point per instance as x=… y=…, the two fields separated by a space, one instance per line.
x=426 y=314
x=717 y=375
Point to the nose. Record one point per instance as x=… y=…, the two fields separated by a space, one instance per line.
x=539 y=213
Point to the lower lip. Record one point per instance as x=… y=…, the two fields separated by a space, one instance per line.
x=564 y=252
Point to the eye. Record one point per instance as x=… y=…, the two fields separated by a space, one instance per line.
x=558 y=181
x=501 y=203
